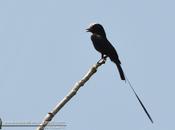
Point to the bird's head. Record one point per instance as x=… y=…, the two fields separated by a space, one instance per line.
x=96 y=29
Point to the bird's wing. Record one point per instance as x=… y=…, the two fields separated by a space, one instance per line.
x=112 y=52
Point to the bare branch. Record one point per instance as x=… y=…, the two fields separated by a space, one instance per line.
x=74 y=90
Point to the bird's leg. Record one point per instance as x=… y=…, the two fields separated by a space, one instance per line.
x=103 y=57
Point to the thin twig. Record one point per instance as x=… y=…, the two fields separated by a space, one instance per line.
x=74 y=90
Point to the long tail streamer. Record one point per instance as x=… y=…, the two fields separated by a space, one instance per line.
x=138 y=99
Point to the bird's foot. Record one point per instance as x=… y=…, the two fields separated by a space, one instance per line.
x=103 y=59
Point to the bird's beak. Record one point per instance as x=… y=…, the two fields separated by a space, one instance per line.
x=88 y=30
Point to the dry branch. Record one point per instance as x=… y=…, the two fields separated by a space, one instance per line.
x=74 y=90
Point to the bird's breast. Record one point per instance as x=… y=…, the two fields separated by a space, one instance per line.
x=99 y=43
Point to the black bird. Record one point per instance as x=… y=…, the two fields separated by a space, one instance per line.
x=102 y=45
x=106 y=49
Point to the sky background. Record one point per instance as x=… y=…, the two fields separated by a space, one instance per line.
x=44 y=51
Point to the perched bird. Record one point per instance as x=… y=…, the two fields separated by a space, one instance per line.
x=103 y=46
x=106 y=49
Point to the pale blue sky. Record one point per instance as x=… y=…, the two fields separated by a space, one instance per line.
x=44 y=50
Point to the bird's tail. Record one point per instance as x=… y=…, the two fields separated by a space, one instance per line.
x=144 y=108
x=122 y=75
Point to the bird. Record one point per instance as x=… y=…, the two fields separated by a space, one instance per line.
x=102 y=45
